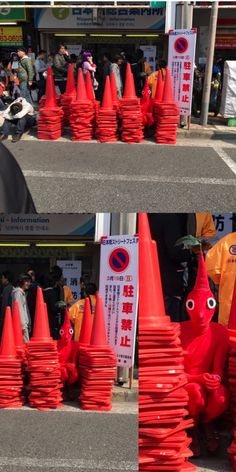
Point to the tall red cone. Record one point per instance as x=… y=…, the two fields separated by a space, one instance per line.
x=89 y=87
x=99 y=336
x=107 y=97
x=168 y=89
x=129 y=84
x=113 y=88
x=87 y=324
x=160 y=87
x=232 y=316
x=202 y=282
x=41 y=325
x=17 y=326
x=151 y=303
x=50 y=101
x=8 y=347
x=81 y=90
x=70 y=84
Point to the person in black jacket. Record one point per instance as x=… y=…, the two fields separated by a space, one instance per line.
x=166 y=229
x=15 y=196
x=54 y=301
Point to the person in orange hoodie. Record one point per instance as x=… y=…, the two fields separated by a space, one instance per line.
x=76 y=312
x=152 y=79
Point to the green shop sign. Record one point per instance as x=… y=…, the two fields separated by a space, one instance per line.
x=11 y=14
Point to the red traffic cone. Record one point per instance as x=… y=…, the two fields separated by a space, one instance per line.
x=99 y=336
x=87 y=324
x=160 y=87
x=89 y=87
x=41 y=325
x=107 y=97
x=50 y=101
x=81 y=90
x=151 y=303
x=17 y=326
x=113 y=88
x=8 y=347
x=168 y=90
x=232 y=316
x=129 y=84
x=70 y=84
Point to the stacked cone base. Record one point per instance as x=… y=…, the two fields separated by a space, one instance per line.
x=166 y=118
x=132 y=120
x=81 y=120
x=50 y=123
x=107 y=126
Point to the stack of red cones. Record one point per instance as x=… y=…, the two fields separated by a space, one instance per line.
x=17 y=329
x=11 y=379
x=69 y=96
x=163 y=442
x=232 y=376
x=91 y=96
x=158 y=97
x=166 y=114
x=81 y=113
x=86 y=327
x=107 y=125
x=43 y=362
x=97 y=367
x=131 y=113
x=51 y=115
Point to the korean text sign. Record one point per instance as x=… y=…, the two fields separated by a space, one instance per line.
x=181 y=56
x=119 y=290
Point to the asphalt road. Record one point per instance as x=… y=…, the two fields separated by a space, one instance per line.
x=58 y=441
x=67 y=176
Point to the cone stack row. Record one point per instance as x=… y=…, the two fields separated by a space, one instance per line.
x=232 y=376
x=69 y=96
x=131 y=113
x=163 y=442
x=166 y=112
x=43 y=362
x=51 y=115
x=107 y=125
x=97 y=366
x=81 y=113
x=11 y=377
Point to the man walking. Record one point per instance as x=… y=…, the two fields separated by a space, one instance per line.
x=25 y=74
x=60 y=68
x=19 y=295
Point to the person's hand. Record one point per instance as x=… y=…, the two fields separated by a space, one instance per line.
x=211 y=381
x=66 y=53
x=30 y=83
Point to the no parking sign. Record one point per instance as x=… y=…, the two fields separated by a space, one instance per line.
x=119 y=289
x=181 y=57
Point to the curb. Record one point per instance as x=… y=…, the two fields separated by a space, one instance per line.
x=206 y=134
x=124 y=394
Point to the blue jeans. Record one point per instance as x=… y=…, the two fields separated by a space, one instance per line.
x=25 y=92
x=21 y=124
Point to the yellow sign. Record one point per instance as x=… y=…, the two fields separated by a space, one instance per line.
x=11 y=35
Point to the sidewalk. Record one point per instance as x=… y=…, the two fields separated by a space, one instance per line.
x=124 y=394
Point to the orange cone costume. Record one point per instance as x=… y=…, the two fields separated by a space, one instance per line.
x=51 y=115
x=163 y=442
x=131 y=113
x=166 y=112
x=81 y=113
x=107 y=126
x=43 y=362
x=97 y=367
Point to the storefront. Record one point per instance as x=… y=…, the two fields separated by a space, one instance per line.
x=42 y=241
x=100 y=30
x=15 y=29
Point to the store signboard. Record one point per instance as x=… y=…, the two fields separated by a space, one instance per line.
x=12 y=14
x=181 y=57
x=225 y=41
x=110 y=18
x=47 y=225
x=119 y=290
x=72 y=271
x=224 y=225
x=74 y=49
x=150 y=55
x=11 y=36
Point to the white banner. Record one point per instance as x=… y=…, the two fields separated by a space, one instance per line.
x=181 y=57
x=72 y=272
x=150 y=53
x=119 y=289
x=224 y=225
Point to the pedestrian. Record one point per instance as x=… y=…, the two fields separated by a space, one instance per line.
x=19 y=295
x=3 y=74
x=74 y=63
x=76 y=312
x=25 y=74
x=221 y=268
x=66 y=293
x=40 y=69
x=6 y=296
x=12 y=70
x=55 y=304
x=115 y=68
x=152 y=78
x=32 y=293
x=105 y=71
x=88 y=65
x=20 y=114
x=123 y=67
x=60 y=67
x=139 y=71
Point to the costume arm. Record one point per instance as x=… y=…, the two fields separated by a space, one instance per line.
x=222 y=347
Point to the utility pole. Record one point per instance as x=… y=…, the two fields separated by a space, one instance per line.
x=209 y=64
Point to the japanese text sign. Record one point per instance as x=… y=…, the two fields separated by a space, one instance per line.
x=119 y=290
x=72 y=273
x=224 y=225
x=181 y=57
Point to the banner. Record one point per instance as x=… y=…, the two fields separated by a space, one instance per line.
x=150 y=53
x=119 y=289
x=72 y=272
x=181 y=56
x=224 y=225
x=7 y=13
x=11 y=35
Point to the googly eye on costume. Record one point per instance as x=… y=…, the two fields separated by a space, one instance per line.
x=61 y=331
x=211 y=303
x=190 y=304
x=71 y=331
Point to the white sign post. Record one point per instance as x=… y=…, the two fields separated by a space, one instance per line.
x=72 y=273
x=181 y=57
x=119 y=289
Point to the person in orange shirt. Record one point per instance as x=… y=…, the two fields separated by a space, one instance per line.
x=152 y=79
x=68 y=295
x=76 y=312
x=12 y=70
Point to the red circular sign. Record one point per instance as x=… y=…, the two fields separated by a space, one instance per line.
x=119 y=260
x=181 y=45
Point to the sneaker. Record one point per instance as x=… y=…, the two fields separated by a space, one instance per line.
x=3 y=137
x=16 y=138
